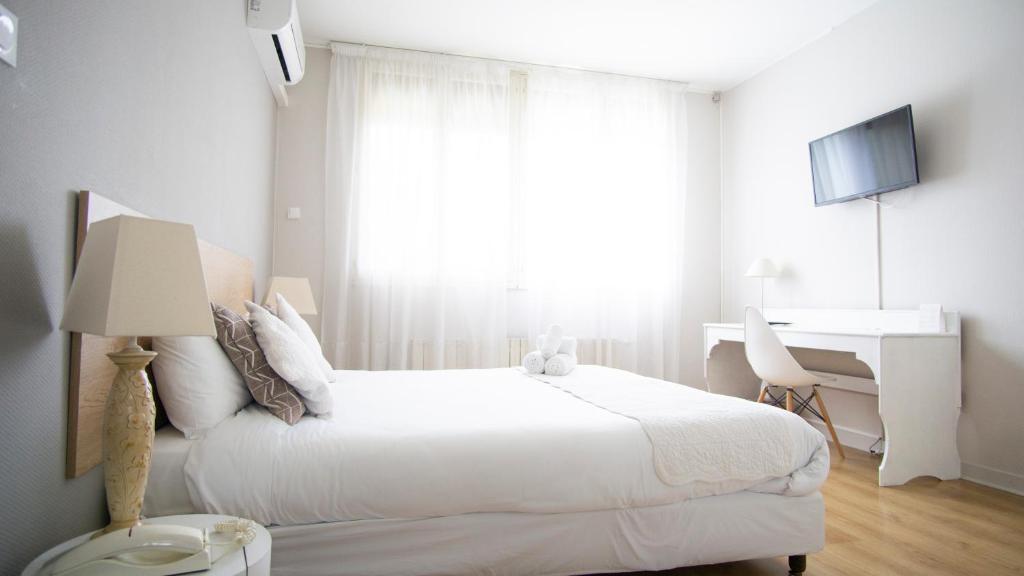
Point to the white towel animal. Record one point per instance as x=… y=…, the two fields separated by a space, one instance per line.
x=560 y=365
x=563 y=361
x=568 y=346
x=552 y=340
x=534 y=362
x=555 y=354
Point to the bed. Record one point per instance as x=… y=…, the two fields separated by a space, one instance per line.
x=481 y=471
x=498 y=472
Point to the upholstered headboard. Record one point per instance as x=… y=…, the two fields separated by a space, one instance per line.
x=229 y=282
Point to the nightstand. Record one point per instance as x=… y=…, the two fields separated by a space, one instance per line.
x=256 y=554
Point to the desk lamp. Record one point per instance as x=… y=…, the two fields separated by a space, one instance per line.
x=762 y=268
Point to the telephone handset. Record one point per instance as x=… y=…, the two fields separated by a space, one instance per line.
x=149 y=549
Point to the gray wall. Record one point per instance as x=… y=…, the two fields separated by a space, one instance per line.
x=161 y=106
x=301 y=138
x=955 y=239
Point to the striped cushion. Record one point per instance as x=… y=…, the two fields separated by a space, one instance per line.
x=238 y=340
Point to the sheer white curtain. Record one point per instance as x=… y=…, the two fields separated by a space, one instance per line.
x=470 y=201
x=604 y=167
x=417 y=210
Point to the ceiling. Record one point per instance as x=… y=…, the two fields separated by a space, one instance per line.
x=713 y=44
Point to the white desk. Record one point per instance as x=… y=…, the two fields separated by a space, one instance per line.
x=918 y=377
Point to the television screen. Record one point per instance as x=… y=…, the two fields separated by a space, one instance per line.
x=870 y=158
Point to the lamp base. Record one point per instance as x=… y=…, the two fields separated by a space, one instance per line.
x=128 y=437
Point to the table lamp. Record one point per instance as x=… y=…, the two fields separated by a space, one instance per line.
x=762 y=268
x=296 y=291
x=135 y=277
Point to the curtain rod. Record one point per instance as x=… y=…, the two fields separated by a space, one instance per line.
x=327 y=46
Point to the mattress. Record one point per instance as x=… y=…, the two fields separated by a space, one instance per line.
x=409 y=444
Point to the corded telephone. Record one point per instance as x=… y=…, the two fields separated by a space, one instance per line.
x=149 y=549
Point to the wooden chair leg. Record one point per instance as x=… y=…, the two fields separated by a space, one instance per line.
x=789 y=399
x=828 y=422
x=764 y=391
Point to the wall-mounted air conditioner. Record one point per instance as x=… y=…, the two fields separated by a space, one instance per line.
x=275 y=31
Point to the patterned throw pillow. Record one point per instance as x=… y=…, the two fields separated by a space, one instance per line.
x=236 y=336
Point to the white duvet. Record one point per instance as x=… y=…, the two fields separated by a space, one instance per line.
x=409 y=444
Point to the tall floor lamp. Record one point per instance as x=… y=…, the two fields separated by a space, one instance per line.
x=135 y=277
x=762 y=268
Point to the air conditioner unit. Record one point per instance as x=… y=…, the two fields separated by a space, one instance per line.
x=275 y=31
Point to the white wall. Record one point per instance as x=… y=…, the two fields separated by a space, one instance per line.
x=161 y=106
x=298 y=245
x=955 y=239
x=702 y=254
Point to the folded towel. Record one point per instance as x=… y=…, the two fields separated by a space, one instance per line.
x=560 y=365
x=569 y=345
x=534 y=362
x=552 y=340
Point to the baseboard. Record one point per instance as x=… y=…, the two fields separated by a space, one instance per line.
x=848 y=436
x=998 y=479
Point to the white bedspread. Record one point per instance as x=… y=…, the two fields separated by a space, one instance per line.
x=439 y=443
x=696 y=436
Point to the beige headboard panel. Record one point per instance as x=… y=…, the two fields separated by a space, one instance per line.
x=229 y=281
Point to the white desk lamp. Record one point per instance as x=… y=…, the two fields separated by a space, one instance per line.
x=135 y=277
x=762 y=268
x=296 y=291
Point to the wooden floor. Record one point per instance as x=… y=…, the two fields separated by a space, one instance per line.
x=925 y=527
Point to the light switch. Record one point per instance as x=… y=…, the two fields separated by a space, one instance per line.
x=294 y=213
x=8 y=36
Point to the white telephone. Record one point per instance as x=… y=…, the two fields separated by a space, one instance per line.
x=149 y=549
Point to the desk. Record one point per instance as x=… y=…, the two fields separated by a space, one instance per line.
x=917 y=373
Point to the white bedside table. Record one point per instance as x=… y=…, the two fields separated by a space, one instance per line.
x=257 y=552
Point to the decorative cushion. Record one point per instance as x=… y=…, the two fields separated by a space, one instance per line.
x=290 y=358
x=289 y=316
x=197 y=384
x=236 y=337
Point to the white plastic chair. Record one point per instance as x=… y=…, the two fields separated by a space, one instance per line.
x=776 y=367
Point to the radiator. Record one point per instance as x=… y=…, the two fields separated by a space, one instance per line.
x=458 y=353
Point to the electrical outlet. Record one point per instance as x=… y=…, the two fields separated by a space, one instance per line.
x=294 y=213
x=8 y=36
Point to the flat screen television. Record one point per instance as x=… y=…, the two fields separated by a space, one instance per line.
x=875 y=156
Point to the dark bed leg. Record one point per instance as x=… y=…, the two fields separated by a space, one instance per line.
x=797 y=564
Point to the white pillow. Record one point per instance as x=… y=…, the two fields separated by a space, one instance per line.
x=289 y=316
x=290 y=358
x=197 y=383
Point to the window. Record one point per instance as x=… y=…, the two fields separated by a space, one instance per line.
x=556 y=181
x=451 y=180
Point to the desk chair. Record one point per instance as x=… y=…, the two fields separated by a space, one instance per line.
x=777 y=368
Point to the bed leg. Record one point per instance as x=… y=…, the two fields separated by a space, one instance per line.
x=797 y=564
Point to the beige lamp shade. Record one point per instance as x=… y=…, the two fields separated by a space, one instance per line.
x=139 y=277
x=762 y=268
x=296 y=291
